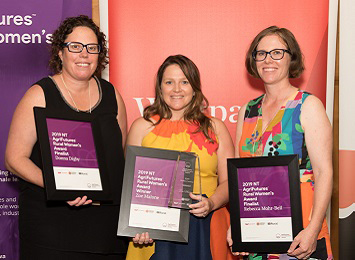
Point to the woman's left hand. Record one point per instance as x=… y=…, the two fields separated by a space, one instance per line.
x=201 y=208
x=142 y=239
x=306 y=241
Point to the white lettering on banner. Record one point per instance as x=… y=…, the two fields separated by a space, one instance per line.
x=232 y=118
x=16 y=20
x=25 y=38
x=9 y=206
x=6 y=176
x=222 y=108
x=140 y=103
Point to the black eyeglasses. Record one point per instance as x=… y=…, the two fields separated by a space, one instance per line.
x=78 y=47
x=276 y=54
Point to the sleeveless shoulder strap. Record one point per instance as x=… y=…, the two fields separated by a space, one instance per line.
x=108 y=96
x=53 y=97
x=253 y=107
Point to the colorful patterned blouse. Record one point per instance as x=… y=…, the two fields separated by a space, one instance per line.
x=181 y=136
x=284 y=135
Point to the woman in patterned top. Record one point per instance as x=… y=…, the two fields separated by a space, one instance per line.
x=177 y=120
x=286 y=120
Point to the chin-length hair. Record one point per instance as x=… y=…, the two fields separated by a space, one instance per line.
x=195 y=110
x=60 y=35
x=296 y=66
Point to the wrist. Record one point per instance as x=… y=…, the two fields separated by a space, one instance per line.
x=211 y=202
x=314 y=228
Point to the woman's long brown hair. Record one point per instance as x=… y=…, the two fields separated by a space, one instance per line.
x=195 y=111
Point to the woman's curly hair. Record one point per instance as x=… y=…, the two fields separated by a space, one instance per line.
x=61 y=34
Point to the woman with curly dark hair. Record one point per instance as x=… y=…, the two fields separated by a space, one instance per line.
x=76 y=229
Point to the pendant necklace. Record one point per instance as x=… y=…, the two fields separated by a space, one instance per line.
x=72 y=99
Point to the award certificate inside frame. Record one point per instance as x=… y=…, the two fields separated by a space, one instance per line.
x=151 y=187
x=265 y=203
x=72 y=156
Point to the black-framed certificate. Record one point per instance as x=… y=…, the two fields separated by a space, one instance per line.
x=72 y=156
x=155 y=194
x=265 y=203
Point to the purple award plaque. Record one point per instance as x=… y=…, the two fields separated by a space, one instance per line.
x=265 y=204
x=264 y=192
x=73 y=155
x=155 y=193
x=153 y=180
x=265 y=207
x=72 y=143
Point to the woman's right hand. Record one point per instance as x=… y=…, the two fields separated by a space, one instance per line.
x=142 y=239
x=230 y=243
x=79 y=201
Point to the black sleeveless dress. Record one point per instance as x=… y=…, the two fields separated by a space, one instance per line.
x=59 y=227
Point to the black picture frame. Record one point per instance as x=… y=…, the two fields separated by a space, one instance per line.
x=255 y=165
x=57 y=194
x=124 y=228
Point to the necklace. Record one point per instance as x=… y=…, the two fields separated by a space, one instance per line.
x=72 y=99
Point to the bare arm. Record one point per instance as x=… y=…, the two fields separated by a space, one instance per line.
x=318 y=136
x=220 y=197
x=225 y=150
x=121 y=117
x=139 y=129
x=22 y=138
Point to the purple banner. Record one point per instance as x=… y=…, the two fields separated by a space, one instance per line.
x=264 y=192
x=25 y=27
x=72 y=143
x=153 y=179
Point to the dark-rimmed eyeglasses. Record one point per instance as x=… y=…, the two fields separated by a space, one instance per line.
x=78 y=47
x=275 y=54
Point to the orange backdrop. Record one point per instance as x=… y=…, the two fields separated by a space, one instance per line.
x=216 y=36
